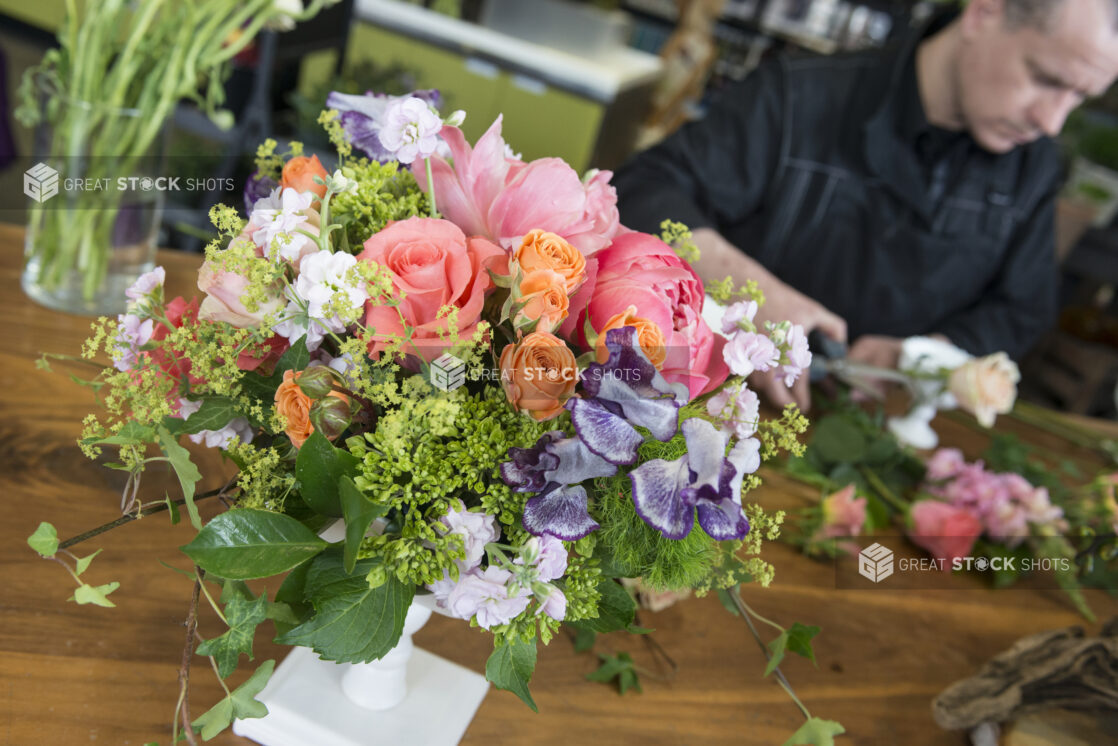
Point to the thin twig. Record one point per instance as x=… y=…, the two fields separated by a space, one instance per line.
x=133 y=516
x=184 y=669
x=746 y=612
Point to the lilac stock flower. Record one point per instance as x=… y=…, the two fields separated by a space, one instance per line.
x=750 y=351
x=486 y=596
x=554 y=604
x=257 y=187
x=410 y=130
x=799 y=356
x=363 y=116
x=476 y=530
x=667 y=494
x=945 y=463
x=238 y=429
x=145 y=284
x=745 y=309
x=132 y=334
x=552 y=562
x=737 y=410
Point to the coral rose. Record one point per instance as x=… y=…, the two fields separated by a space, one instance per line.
x=293 y=404
x=538 y=374
x=543 y=250
x=649 y=336
x=946 y=531
x=299 y=172
x=544 y=297
x=986 y=386
x=434 y=265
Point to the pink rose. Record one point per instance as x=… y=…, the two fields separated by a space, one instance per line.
x=945 y=531
x=986 y=386
x=434 y=265
x=843 y=514
x=223 y=299
x=642 y=271
x=488 y=194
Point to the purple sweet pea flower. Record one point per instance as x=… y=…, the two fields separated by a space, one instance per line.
x=667 y=494
x=257 y=187
x=363 y=116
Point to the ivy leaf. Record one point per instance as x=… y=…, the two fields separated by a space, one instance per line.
x=510 y=667
x=837 y=440
x=240 y=704
x=242 y=617
x=618 y=667
x=83 y=563
x=319 y=466
x=816 y=732
x=352 y=623
x=797 y=639
x=247 y=543
x=616 y=609
x=584 y=639
x=359 y=512
x=88 y=594
x=187 y=472
x=44 y=540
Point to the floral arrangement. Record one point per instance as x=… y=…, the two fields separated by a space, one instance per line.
x=508 y=399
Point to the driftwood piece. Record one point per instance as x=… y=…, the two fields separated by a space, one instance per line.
x=1062 y=669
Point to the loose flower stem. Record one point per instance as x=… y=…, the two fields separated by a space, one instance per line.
x=183 y=708
x=882 y=489
x=746 y=613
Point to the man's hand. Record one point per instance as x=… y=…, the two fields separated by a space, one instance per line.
x=718 y=258
x=878 y=351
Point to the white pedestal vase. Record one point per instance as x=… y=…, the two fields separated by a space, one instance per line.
x=408 y=697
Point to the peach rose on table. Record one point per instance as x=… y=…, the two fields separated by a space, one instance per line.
x=299 y=173
x=640 y=270
x=985 y=386
x=434 y=265
x=538 y=374
x=947 y=532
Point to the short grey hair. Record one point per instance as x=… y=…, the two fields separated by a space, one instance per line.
x=1038 y=13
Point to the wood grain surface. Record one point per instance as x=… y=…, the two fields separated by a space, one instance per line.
x=88 y=675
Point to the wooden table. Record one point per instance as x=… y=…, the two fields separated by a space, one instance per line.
x=71 y=674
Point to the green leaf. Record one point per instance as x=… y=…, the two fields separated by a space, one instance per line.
x=242 y=617
x=359 y=512
x=319 y=467
x=83 y=563
x=247 y=543
x=130 y=434
x=88 y=594
x=173 y=510
x=296 y=358
x=816 y=732
x=584 y=639
x=727 y=600
x=44 y=540
x=352 y=623
x=185 y=469
x=231 y=589
x=290 y=593
x=618 y=667
x=510 y=667
x=838 y=440
x=215 y=413
x=797 y=640
x=616 y=609
x=240 y=704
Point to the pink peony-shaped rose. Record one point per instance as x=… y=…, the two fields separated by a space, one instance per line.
x=945 y=531
x=642 y=271
x=434 y=265
x=223 y=298
x=488 y=194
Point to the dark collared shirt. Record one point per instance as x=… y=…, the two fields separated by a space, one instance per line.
x=824 y=172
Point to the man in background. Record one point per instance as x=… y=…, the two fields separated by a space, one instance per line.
x=883 y=194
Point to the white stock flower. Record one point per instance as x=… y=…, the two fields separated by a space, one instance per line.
x=333 y=293
x=281 y=217
x=410 y=130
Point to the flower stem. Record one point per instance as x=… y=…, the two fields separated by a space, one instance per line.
x=882 y=489
x=746 y=612
x=431 y=188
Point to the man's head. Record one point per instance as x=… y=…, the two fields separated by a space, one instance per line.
x=1023 y=65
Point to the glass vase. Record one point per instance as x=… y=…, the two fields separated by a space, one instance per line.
x=96 y=200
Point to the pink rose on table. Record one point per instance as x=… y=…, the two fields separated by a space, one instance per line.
x=434 y=265
x=986 y=386
x=488 y=194
x=843 y=513
x=642 y=271
x=945 y=531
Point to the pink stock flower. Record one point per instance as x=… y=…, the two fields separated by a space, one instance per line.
x=742 y=310
x=642 y=271
x=945 y=463
x=749 y=351
x=947 y=532
x=434 y=265
x=486 y=193
x=843 y=514
x=737 y=410
x=799 y=356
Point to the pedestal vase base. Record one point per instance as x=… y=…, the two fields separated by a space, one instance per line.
x=306 y=705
